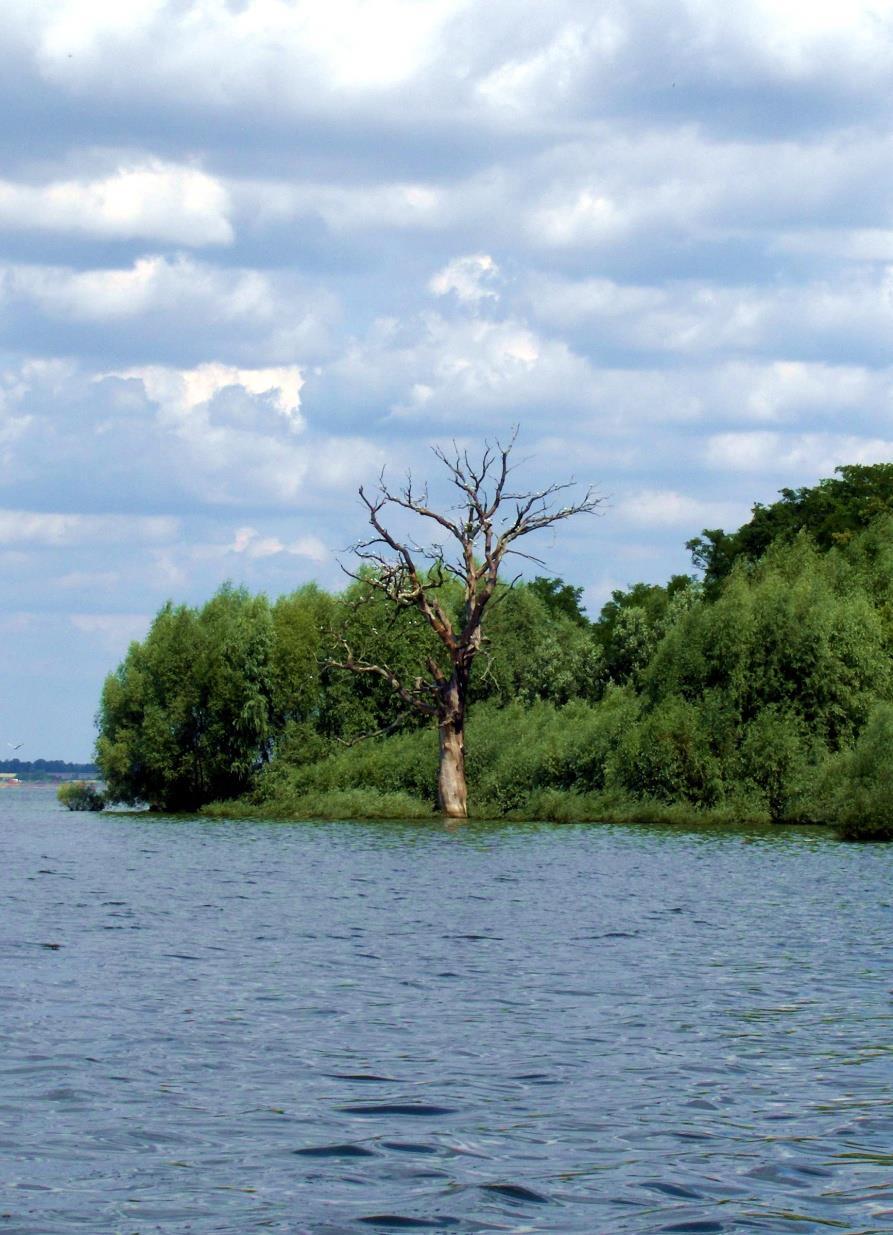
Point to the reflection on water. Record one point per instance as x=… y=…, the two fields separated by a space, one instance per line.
x=216 y=1027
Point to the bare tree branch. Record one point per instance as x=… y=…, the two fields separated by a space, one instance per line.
x=483 y=528
x=377 y=733
x=411 y=696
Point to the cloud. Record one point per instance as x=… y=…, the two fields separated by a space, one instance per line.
x=813 y=454
x=662 y=507
x=347 y=207
x=174 y=205
x=250 y=542
x=470 y=278
x=151 y=284
x=254 y=251
x=847 y=320
x=463 y=370
x=37 y=528
x=170 y=438
x=190 y=388
x=161 y=308
x=346 y=46
x=113 y=631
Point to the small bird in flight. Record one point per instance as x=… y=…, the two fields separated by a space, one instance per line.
x=19 y=747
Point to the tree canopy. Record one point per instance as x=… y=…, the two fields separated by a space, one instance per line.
x=832 y=512
x=765 y=693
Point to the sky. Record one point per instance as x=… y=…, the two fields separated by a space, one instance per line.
x=252 y=251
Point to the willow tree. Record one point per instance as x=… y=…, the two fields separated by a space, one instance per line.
x=472 y=540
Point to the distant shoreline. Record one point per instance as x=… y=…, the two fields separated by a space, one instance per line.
x=48 y=771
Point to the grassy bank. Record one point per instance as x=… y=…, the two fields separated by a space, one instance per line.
x=547 y=806
x=609 y=762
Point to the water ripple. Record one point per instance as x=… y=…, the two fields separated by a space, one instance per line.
x=327 y=1029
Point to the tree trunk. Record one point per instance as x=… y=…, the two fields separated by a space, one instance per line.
x=452 y=794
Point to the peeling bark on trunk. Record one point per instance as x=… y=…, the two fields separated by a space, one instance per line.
x=452 y=795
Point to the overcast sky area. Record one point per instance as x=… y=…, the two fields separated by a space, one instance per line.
x=253 y=250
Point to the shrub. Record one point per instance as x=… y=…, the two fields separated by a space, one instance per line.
x=80 y=795
x=858 y=784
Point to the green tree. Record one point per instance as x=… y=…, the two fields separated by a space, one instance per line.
x=857 y=789
x=560 y=598
x=535 y=650
x=783 y=634
x=186 y=717
x=832 y=512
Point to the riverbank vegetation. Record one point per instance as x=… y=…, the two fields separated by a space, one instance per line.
x=763 y=691
x=80 y=795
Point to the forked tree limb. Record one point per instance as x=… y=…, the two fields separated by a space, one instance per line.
x=483 y=529
x=489 y=519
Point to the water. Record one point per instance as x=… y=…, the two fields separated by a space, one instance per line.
x=346 y=1028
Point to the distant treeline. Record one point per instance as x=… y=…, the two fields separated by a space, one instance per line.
x=763 y=691
x=46 y=769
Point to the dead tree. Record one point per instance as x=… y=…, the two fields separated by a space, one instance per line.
x=479 y=533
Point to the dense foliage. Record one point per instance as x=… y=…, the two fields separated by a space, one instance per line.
x=832 y=512
x=80 y=795
x=766 y=694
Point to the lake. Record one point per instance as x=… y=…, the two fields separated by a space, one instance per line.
x=343 y=1028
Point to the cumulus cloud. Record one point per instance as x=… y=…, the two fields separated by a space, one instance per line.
x=25 y=527
x=189 y=388
x=254 y=252
x=254 y=545
x=463 y=371
x=469 y=278
x=409 y=206
x=347 y=45
x=151 y=284
x=169 y=437
x=815 y=454
x=161 y=307
x=174 y=205
x=662 y=507
x=845 y=320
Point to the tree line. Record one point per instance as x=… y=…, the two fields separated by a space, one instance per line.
x=45 y=769
x=763 y=690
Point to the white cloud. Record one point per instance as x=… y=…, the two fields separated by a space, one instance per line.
x=274 y=45
x=114 y=631
x=270 y=318
x=438 y=370
x=151 y=284
x=545 y=76
x=347 y=208
x=250 y=542
x=188 y=389
x=794 y=454
x=799 y=35
x=469 y=278
x=845 y=318
x=38 y=528
x=659 y=508
x=173 y=204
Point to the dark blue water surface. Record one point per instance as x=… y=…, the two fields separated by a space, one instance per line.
x=344 y=1028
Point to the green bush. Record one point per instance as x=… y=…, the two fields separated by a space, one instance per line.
x=857 y=789
x=667 y=756
x=80 y=795
x=774 y=759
